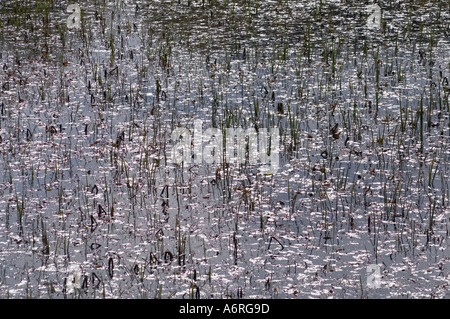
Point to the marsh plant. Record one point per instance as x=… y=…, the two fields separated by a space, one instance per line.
x=324 y=149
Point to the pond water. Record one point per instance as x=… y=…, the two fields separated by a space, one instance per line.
x=94 y=205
